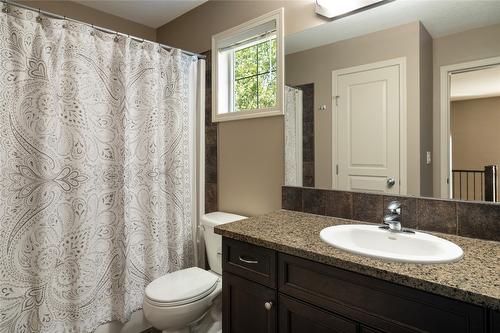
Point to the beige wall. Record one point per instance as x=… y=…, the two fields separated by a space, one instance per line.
x=316 y=65
x=86 y=14
x=193 y=31
x=250 y=165
x=471 y=45
x=475 y=133
x=250 y=152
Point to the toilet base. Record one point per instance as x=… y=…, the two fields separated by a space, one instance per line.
x=210 y=322
x=184 y=330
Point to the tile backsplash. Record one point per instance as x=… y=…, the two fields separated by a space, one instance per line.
x=211 y=203
x=469 y=219
x=307 y=134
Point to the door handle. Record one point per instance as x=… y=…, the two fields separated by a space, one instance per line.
x=391 y=182
x=268 y=305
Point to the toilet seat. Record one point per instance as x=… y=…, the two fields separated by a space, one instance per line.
x=181 y=287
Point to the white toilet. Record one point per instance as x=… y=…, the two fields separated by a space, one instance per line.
x=178 y=300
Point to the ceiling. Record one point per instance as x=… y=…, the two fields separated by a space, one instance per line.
x=151 y=13
x=475 y=84
x=440 y=17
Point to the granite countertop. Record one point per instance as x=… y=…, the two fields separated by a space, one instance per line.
x=474 y=279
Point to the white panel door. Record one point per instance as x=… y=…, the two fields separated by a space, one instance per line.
x=368 y=130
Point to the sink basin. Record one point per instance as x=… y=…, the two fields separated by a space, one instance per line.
x=371 y=241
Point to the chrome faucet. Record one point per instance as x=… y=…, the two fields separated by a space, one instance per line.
x=393 y=219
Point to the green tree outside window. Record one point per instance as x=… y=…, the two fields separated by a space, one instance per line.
x=255 y=76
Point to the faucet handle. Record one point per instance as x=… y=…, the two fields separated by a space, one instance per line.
x=394 y=207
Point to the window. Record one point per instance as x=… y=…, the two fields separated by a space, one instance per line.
x=255 y=76
x=247 y=77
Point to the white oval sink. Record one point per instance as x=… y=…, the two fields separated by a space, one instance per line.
x=379 y=243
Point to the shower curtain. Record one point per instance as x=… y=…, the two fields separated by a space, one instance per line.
x=293 y=136
x=96 y=172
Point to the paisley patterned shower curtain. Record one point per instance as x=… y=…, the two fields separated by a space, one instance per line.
x=96 y=172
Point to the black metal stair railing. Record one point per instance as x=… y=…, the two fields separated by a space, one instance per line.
x=475 y=184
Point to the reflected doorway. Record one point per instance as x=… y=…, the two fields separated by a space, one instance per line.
x=474 y=133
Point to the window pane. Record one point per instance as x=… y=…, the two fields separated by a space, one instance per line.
x=267 y=90
x=267 y=56
x=245 y=62
x=246 y=94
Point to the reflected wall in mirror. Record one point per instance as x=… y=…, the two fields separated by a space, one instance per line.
x=403 y=98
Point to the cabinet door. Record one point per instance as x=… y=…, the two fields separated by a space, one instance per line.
x=494 y=321
x=299 y=317
x=247 y=307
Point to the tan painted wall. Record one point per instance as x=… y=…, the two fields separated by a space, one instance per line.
x=475 y=132
x=251 y=165
x=193 y=30
x=86 y=14
x=250 y=152
x=471 y=45
x=316 y=65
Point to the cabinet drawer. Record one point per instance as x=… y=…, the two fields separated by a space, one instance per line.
x=252 y=262
x=385 y=306
x=296 y=316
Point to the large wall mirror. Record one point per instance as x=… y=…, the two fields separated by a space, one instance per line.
x=402 y=98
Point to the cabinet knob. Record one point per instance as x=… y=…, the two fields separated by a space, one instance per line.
x=268 y=305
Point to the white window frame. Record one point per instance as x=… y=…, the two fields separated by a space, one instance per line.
x=223 y=78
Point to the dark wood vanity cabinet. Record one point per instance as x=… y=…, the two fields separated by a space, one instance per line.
x=267 y=291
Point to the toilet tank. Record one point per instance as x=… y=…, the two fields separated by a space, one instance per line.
x=213 y=242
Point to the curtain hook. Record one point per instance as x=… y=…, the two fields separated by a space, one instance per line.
x=92 y=32
x=39 y=17
x=65 y=24
x=5 y=7
x=116 y=37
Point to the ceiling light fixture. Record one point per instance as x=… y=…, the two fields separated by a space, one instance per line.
x=334 y=9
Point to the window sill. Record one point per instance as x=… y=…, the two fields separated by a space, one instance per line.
x=239 y=115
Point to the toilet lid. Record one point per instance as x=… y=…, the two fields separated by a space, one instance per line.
x=182 y=286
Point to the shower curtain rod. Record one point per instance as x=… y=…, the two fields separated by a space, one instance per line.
x=56 y=16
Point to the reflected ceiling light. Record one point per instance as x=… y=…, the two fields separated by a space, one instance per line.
x=338 y=8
